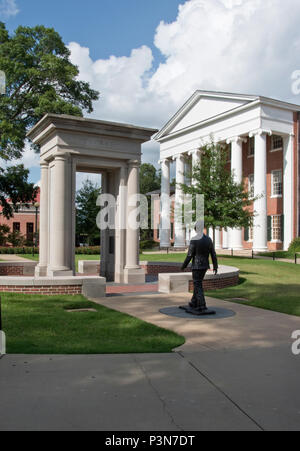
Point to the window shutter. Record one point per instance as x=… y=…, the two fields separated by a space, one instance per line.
x=269 y=228
x=282 y=228
x=246 y=234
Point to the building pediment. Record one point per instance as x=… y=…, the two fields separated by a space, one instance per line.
x=203 y=106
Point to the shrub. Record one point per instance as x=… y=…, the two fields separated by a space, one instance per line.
x=92 y=250
x=147 y=244
x=18 y=250
x=295 y=246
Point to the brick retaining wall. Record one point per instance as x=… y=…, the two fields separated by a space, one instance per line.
x=217 y=284
x=10 y=270
x=49 y=290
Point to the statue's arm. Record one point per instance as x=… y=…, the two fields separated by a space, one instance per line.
x=214 y=257
x=190 y=256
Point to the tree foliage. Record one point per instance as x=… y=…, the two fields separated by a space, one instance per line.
x=40 y=79
x=226 y=202
x=86 y=213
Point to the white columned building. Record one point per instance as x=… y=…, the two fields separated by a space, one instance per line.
x=263 y=134
x=260 y=231
x=236 y=235
x=165 y=212
x=180 y=233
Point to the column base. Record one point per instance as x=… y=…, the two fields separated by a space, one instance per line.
x=60 y=272
x=260 y=249
x=134 y=276
x=40 y=271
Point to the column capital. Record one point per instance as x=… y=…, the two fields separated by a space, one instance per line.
x=164 y=161
x=178 y=157
x=61 y=156
x=134 y=163
x=195 y=152
x=236 y=139
x=44 y=165
x=260 y=132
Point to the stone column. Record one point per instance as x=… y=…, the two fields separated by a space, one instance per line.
x=288 y=191
x=260 y=232
x=121 y=215
x=61 y=212
x=196 y=160
x=41 y=269
x=225 y=239
x=133 y=273
x=165 y=212
x=218 y=238
x=179 y=200
x=236 y=235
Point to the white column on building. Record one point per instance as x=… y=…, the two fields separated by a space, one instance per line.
x=179 y=201
x=196 y=160
x=165 y=206
x=236 y=235
x=133 y=272
x=61 y=212
x=41 y=269
x=260 y=230
x=218 y=239
x=225 y=239
x=288 y=191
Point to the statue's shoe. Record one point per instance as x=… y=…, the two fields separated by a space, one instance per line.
x=197 y=312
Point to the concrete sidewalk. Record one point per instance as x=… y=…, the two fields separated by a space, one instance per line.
x=234 y=374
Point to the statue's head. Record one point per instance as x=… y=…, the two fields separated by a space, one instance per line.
x=199 y=230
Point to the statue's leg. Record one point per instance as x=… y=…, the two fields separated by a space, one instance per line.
x=199 y=293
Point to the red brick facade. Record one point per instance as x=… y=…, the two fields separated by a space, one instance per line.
x=24 y=220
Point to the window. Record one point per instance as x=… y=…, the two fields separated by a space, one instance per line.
x=251 y=147
x=251 y=184
x=277 y=184
x=276 y=228
x=29 y=231
x=276 y=143
x=16 y=227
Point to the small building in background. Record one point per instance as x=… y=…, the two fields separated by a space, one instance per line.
x=25 y=220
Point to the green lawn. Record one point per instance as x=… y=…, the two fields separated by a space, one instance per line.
x=267 y=284
x=41 y=325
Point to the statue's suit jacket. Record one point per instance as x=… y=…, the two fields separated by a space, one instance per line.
x=199 y=252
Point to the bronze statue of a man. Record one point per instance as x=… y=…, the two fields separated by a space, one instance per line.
x=201 y=247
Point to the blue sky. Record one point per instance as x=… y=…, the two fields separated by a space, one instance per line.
x=107 y=27
x=147 y=57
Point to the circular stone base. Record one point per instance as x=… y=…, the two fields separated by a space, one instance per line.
x=179 y=313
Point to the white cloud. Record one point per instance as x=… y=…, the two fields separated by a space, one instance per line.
x=248 y=46
x=30 y=159
x=8 y=8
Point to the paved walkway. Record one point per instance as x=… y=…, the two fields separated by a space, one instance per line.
x=13 y=258
x=234 y=374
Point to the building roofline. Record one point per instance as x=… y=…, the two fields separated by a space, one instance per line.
x=251 y=101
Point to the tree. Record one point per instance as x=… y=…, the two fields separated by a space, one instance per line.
x=87 y=211
x=4 y=231
x=40 y=79
x=149 y=178
x=226 y=202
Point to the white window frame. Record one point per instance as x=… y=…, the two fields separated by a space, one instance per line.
x=278 y=149
x=251 y=155
x=274 y=239
x=273 y=195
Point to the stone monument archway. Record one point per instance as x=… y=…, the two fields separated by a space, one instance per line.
x=73 y=144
